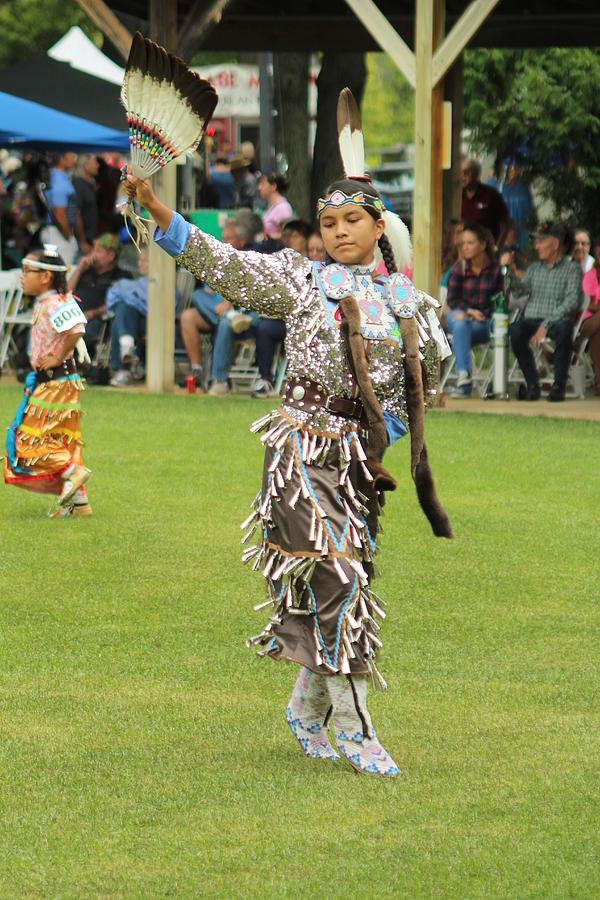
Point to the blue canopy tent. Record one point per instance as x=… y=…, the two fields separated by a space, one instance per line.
x=28 y=125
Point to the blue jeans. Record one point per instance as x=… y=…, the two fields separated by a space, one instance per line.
x=225 y=339
x=127 y=320
x=205 y=303
x=466 y=332
x=270 y=333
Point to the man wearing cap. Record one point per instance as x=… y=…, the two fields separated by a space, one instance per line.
x=554 y=288
x=92 y=278
x=246 y=190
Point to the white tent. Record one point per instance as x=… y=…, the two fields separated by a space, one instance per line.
x=81 y=53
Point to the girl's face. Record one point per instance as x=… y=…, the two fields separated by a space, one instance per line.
x=471 y=245
x=350 y=234
x=34 y=281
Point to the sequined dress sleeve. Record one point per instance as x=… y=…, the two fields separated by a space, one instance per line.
x=272 y=285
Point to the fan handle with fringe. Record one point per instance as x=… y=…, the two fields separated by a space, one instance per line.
x=168 y=107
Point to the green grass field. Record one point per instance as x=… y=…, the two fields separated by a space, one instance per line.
x=143 y=748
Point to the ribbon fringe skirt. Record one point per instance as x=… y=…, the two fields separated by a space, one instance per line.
x=48 y=439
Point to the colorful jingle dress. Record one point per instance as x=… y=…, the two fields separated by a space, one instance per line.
x=313 y=529
x=45 y=437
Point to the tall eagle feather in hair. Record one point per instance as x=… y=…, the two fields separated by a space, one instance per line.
x=352 y=151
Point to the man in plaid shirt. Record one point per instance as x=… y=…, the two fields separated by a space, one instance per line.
x=554 y=288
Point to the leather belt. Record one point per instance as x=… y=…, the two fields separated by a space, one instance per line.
x=67 y=367
x=307 y=395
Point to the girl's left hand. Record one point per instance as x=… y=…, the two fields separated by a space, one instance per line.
x=49 y=362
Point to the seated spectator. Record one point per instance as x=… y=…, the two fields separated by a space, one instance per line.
x=246 y=190
x=316 y=247
x=590 y=327
x=209 y=313
x=252 y=223
x=294 y=235
x=481 y=203
x=84 y=182
x=128 y=300
x=64 y=227
x=554 y=287
x=271 y=332
x=90 y=281
x=473 y=282
x=582 y=243
x=278 y=209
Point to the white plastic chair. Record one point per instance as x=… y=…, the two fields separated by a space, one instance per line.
x=12 y=311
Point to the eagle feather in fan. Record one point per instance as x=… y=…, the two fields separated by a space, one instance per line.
x=168 y=106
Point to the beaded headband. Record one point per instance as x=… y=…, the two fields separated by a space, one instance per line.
x=49 y=250
x=339 y=198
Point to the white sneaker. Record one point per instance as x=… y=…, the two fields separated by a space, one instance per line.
x=120 y=378
x=240 y=322
x=127 y=348
x=218 y=389
x=463 y=379
x=263 y=389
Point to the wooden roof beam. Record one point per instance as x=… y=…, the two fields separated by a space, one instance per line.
x=457 y=39
x=386 y=36
x=108 y=24
x=198 y=24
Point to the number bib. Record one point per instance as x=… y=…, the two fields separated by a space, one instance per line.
x=67 y=316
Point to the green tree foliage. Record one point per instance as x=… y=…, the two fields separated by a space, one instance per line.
x=388 y=107
x=541 y=108
x=29 y=27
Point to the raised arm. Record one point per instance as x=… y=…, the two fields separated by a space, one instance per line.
x=271 y=285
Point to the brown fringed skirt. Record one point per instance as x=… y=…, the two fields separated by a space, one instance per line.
x=313 y=535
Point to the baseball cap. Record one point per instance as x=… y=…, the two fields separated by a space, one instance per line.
x=109 y=242
x=551 y=229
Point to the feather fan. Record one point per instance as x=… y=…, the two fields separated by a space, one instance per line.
x=168 y=106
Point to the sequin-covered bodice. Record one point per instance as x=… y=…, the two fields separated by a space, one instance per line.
x=287 y=286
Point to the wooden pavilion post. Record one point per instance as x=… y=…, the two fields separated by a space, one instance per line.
x=452 y=187
x=160 y=337
x=427 y=211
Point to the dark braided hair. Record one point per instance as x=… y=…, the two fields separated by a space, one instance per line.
x=59 y=279
x=387 y=253
x=350 y=186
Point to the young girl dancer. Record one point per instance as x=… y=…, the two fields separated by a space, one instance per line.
x=43 y=446
x=354 y=384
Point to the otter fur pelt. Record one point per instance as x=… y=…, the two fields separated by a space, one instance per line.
x=415 y=405
x=377 y=439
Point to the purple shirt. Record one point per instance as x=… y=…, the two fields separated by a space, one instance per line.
x=274 y=215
